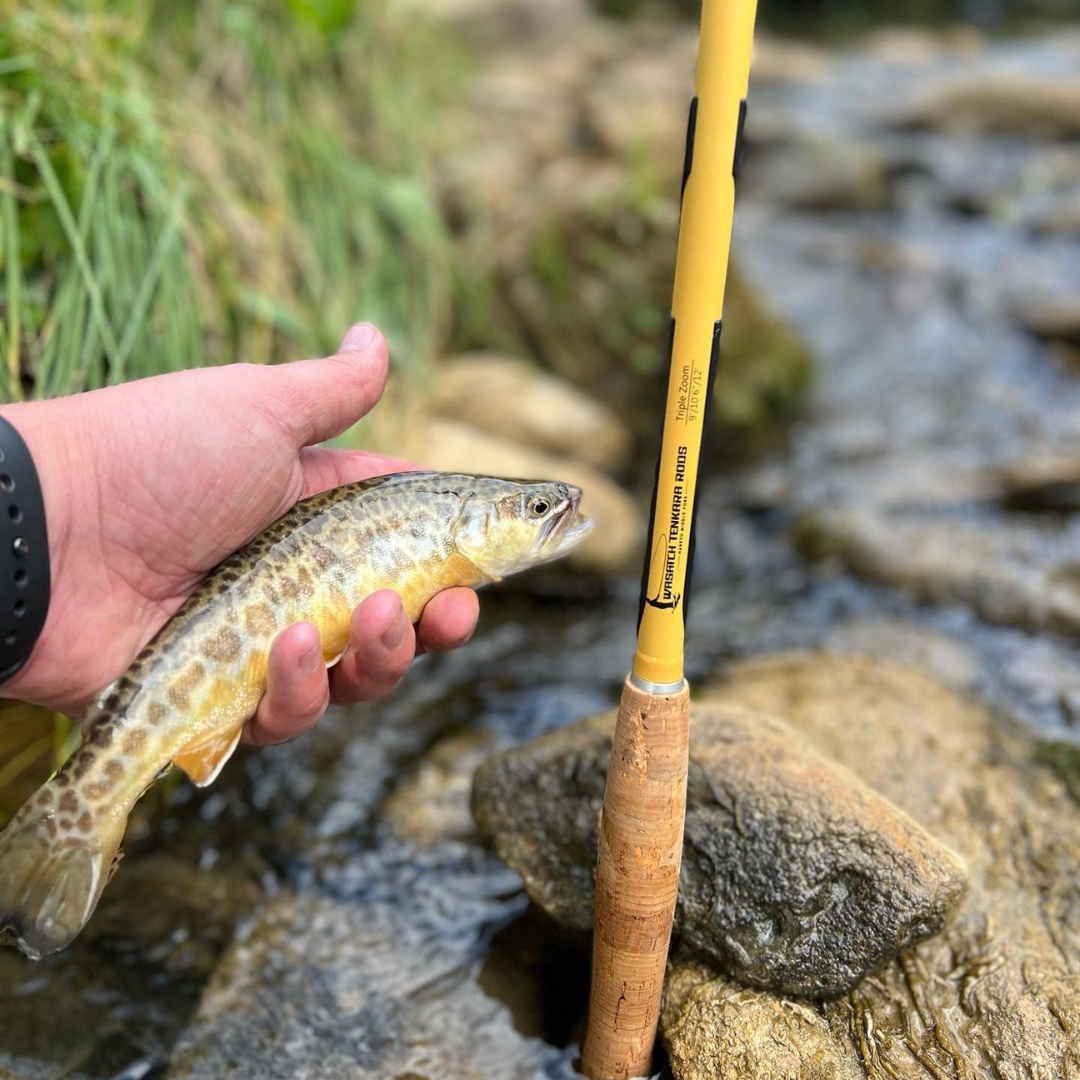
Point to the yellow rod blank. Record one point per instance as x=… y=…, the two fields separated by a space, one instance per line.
x=641 y=830
x=723 y=71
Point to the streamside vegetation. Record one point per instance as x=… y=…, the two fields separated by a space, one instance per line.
x=185 y=184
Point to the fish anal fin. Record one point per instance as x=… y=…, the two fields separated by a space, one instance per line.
x=203 y=761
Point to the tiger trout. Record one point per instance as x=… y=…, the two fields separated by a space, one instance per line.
x=186 y=697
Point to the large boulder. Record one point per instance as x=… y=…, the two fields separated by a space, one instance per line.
x=795 y=876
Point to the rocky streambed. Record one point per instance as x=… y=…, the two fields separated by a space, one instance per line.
x=884 y=625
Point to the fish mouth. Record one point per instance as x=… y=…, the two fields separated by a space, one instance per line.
x=565 y=529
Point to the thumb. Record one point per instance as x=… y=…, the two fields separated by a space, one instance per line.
x=318 y=399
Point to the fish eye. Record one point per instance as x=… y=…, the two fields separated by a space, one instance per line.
x=538 y=506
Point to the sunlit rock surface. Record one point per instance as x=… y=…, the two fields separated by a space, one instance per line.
x=717 y=1030
x=513 y=400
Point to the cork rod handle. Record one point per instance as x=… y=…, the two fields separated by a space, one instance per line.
x=637 y=880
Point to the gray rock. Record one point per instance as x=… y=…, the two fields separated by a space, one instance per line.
x=795 y=876
x=988 y=101
x=1018 y=573
x=826 y=177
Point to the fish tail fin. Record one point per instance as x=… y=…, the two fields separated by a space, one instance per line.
x=54 y=864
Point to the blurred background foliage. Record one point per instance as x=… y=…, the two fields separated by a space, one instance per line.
x=197 y=183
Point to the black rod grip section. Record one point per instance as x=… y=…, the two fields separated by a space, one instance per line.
x=24 y=553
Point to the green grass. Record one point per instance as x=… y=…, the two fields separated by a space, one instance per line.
x=188 y=184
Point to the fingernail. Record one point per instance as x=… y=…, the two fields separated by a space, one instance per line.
x=394 y=635
x=310 y=660
x=361 y=336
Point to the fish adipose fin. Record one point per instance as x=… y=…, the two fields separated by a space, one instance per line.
x=51 y=877
x=203 y=761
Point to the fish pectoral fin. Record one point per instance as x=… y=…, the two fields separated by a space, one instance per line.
x=203 y=761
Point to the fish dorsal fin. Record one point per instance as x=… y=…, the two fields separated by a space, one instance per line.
x=203 y=761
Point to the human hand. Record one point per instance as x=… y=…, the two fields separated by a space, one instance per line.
x=150 y=484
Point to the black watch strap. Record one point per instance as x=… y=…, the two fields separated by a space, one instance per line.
x=24 y=553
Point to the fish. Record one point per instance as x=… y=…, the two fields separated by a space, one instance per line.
x=184 y=700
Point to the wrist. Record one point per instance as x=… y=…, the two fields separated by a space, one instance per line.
x=38 y=425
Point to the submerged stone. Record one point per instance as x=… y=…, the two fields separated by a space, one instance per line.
x=368 y=986
x=795 y=876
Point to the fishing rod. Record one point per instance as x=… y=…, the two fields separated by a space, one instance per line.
x=641 y=831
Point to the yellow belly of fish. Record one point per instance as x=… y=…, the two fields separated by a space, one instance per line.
x=217 y=715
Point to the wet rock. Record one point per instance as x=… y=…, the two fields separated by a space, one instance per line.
x=998 y=984
x=795 y=877
x=191 y=917
x=1048 y=484
x=432 y=804
x=1052 y=320
x=947 y=658
x=513 y=401
x=1015 y=573
x=618 y=532
x=825 y=177
x=367 y=987
x=715 y=1030
x=994 y=102
x=114 y=1002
